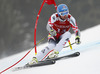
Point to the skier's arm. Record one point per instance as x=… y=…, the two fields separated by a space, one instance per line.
x=51 y=31
x=50 y=24
x=75 y=28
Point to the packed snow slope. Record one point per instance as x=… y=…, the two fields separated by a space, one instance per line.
x=87 y=63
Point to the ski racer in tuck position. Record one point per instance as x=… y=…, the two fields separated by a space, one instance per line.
x=58 y=27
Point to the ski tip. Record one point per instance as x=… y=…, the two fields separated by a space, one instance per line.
x=77 y=53
x=53 y=61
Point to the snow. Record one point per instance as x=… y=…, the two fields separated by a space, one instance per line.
x=87 y=63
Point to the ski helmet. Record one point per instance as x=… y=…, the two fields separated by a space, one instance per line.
x=62 y=10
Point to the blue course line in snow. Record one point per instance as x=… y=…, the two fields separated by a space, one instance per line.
x=81 y=48
x=88 y=45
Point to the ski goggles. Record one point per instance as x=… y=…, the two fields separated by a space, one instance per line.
x=64 y=13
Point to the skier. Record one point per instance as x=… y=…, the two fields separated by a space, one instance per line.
x=58 y=27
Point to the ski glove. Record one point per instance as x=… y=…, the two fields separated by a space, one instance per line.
x=53 y=32
x=77 y=40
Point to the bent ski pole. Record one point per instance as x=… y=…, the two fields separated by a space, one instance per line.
x=69 y=45
x=39 y=42
x=22 y=57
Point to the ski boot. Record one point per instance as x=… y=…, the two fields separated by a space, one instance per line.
x=52 y=55
x=33 y=61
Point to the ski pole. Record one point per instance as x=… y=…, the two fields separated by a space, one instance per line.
x=69 y=45
x=22 y=57
x=39 y=42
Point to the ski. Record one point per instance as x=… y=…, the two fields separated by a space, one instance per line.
x=47 y=61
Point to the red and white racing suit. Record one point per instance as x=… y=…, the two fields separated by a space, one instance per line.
x=61 y=27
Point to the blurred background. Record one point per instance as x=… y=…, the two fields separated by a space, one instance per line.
x=17 y=21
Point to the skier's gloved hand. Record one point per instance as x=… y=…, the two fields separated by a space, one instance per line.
x=53 y=32
x=77 y=40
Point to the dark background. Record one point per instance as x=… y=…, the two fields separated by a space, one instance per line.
x=17 y=21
